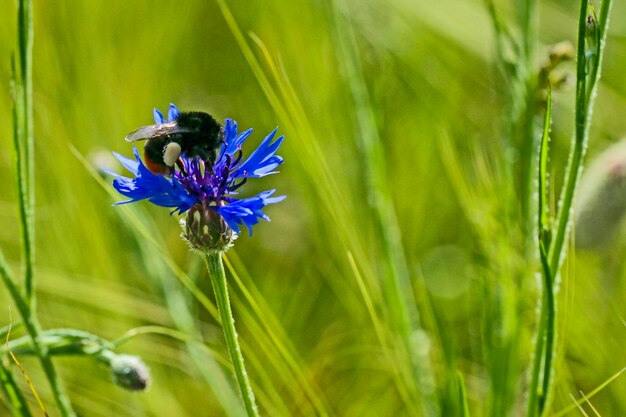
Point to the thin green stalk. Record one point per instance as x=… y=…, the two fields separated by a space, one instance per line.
x=548 y=306
x=13 y=393
x=590 y=47
x=34 y=330
x=533 y=391
x=23 y=137
x=585 y=94
x=549 y=313
x=536 y=392
x=218 y=280
x=24 y=154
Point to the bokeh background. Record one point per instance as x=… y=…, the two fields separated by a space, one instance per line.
x=392 y=112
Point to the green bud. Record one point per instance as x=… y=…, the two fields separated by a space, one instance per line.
x=206 y=231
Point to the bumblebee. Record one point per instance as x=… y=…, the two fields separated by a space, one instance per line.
x=192 y=134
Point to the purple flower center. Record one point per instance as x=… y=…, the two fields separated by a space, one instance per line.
x=209 y=183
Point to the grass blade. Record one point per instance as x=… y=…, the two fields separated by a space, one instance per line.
x=463 y=403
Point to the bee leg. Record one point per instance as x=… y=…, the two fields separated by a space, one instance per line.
x=180 y=165
x=171 y=153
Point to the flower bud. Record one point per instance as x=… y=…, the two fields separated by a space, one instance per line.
x=550 y=73
x=206 y=231
x=130 y=372
x=560 y=52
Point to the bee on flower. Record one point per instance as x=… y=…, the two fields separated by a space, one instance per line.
x=196 y=166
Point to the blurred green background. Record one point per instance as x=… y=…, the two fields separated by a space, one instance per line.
x=391 y=109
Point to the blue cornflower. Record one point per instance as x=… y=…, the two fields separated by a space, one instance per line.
x=206 y=187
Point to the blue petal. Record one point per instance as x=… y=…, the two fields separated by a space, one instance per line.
x=247 y=211
x=158 y=116
x=147 y=185
x=232 y=141
x=263 y=160
x=174 y=197
x=172 y=113
x=130 y=164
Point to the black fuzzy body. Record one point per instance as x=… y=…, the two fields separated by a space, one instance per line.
x=197 y=133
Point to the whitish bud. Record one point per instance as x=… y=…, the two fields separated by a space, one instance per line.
x=550 y=74
x=601 y=202
x=130 y=372
x=562 y=51
x=206 y=231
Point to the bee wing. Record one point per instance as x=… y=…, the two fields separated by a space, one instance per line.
x=155 y=131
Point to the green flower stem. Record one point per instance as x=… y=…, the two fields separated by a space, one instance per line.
x=218 y=280
x=34 y=331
